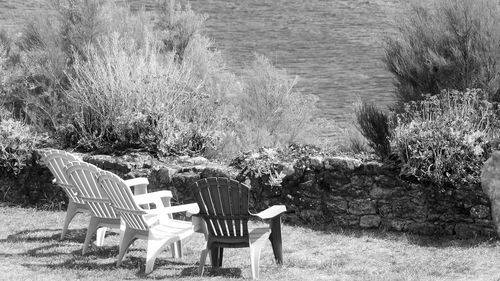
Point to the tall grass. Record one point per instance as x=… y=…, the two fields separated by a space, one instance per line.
x=452 y=45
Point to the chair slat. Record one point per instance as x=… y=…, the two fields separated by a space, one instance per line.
x=58 y=165
x=213 y=224
x=234 y=191
x=198 y=195
x=227 y=206
x=214 y=190
x=244 y=190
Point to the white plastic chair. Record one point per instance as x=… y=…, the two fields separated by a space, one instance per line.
x=156 y=226
x=56 y=160
x=83 y=176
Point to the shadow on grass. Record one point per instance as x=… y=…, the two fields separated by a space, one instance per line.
x=434 y=241
x=137 y=264
x=53 y=241
x=74 y=235
x=78 y=263
x=228 y=272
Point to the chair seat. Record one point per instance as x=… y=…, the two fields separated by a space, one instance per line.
x=171 y=228
x=257 y=234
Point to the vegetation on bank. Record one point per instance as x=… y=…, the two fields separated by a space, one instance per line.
x=98 y=77
x=104 y=79
x=445 y=121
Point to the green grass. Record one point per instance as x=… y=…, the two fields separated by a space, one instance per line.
x=30 y=250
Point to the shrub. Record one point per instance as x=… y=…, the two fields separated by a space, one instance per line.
x=374 y=126
x=39 y=63
x=453 y=45
x=17 y=142
x=129 y=97
x=45 y=51
x=81 y=23
x=176 y=36
x=445 y=139
x=272 y=113
x=105 y=79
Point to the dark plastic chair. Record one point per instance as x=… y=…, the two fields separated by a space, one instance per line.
x=223 y=205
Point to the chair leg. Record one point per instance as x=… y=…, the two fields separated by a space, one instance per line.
x=154 y=247
x=101 y=233
x=70 y=214
x=91 y=229
x=216 y=255
x=255 y=259
x=123 y=227
x=203 y=258
x=176 y=249
x=275 y=239
x=221 y=254
x=126 y=239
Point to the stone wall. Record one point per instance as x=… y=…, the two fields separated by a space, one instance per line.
x=334 y=192
x=323 y=193
x=32 y=187
x=346 y=192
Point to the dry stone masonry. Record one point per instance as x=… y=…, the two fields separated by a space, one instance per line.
x=323 y=192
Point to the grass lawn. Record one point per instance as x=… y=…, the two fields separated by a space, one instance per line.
x=30 y=249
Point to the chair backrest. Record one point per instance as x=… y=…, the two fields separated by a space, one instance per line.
x=56 y=160
x=122 y=200
x=223 y=204
x=84 y=177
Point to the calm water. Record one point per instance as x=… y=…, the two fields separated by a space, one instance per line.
x=333 y=46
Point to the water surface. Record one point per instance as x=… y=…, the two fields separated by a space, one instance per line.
x=333 y=46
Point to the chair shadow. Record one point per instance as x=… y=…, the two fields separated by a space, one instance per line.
x=101 y=258
x=73 y=235
x=227 y=272
x=78 y=264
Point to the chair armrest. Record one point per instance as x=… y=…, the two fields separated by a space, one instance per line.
x=194 y=211
x=173 y=209
x=154 y=197
x=271 y=212
x=140 y=185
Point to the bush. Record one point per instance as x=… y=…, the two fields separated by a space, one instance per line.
x=17 y=142
x=41 y=57
x=129 y=97
x=445 y=139
x=374 y=126
x=453 y=45
x=272 y=113
x=101 y=78
x=176 y=36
